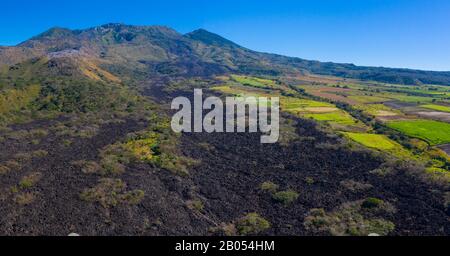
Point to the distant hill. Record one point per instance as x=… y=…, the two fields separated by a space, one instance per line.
x=162 y=50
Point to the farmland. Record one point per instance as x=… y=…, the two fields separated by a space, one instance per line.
x=431 y=131
x=300 y=106
x=437 y=107
x=414 y=118
x=373 y=140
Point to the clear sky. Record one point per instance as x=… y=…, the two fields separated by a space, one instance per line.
x=391 y=33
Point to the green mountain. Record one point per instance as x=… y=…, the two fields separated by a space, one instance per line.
x=161 y=50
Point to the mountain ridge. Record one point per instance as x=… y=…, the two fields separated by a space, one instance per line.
x=161 y=45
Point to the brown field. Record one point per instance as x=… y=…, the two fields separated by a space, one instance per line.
x=384 y=113
x=436 y=115
x=329 y=93
x=320 y=109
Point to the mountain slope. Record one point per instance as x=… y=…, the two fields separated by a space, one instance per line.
x=161 y=50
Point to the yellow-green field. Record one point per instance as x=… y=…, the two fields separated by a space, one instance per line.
x=306 y=108
x=379 y=142
x=254 y=81
x=437 y=107
x=433 y=132
x=373 y=140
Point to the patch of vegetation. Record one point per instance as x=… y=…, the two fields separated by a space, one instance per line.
x=288 y=131
x=431 y=131
x=206 y=146
x=269 y=186
x=114 y=160
x=88 y=167
x=373 y=140
x=27 y=134
x=438 y=175
x=11 y=165
x=254 y=81
x=355 y=186
x=112 y=192
x=30 y=180
x=380 y=142
x=297 y=105
x=349 y=219
x=25 y=198
x=4 y=169
x=286 y=197
x=23 y=157
x=158 y=146
x=338 y=117
x=39 y=153
x=377 y=110
x=13 y=100
x=309 y=180
x=251 y=224
x=371 y=203
x=437 y=107
x=195 y=204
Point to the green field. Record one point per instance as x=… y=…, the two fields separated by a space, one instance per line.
x=254 y=81
x=373 y=140
x=433 y=132
x=320 y=111
x=437 y=107
x=307 y=108
x=296 y=104
x=338 y=117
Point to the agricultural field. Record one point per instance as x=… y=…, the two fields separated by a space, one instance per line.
x=437 y=107
x=397 y=106
x=433 y=132
x=378 y=142
x=254 y=81
x=302 y=107
x=416 y=116
x=373 y=140
x=394 y=109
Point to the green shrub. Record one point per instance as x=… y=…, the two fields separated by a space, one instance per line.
x=38 y=133
x=13 y=165
x=67 y=142
x=309 y=180
x=88 y=167
x=24 y=198
x=111 y=165
x=35 y=142
x=30 y=180
x=4 y=169
x=269 y=186
x=355 y=186
x=39 y=153
x=196 y=205
x=348 y=219
x=14 y=189
x=132 y=197
x=111 y=192
x=23 y=157
x=252 y=223
x=285 y=197
x=371 y=203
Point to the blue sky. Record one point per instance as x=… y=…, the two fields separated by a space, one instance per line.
x=392 y=33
